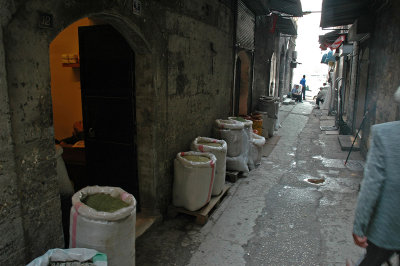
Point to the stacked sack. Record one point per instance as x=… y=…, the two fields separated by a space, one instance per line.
x=219 y=149
x=194 y=174
x=234 y=133
x=256 y=148
x=248 y=129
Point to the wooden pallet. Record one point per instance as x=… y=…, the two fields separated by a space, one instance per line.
x=204 y=213
x=232 y=176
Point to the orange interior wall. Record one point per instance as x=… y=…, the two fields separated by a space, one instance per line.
x=65 y=81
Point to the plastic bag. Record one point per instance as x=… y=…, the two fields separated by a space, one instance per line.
x=112 y=233
x=248 y=126
x=220 y=155
x=232 y=132
x=256 y=148
x=193 y=181
x=268 y=125
x=238 y=163
x=70 y=255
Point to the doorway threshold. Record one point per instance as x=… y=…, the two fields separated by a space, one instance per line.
x=144 y=223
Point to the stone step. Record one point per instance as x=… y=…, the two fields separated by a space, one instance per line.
x=346 y=141
x=288 y=101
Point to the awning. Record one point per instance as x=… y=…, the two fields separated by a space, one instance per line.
x=341 y=12
x=338 y=42
x=263 y=7
x=290 y=7
x=286 y=26
x=331 y=37
x=259 y=7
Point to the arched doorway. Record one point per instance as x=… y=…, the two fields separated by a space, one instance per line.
x=109 y=106
x=98 y=88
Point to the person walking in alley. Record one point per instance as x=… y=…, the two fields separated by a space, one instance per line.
x=377 y=217
x=303 y=86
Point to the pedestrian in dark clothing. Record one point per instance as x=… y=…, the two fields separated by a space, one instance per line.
x=377 y=217
x=303 y=86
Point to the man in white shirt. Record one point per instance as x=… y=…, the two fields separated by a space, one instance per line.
x=320 y=96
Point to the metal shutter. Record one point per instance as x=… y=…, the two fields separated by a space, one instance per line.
x=245 y=27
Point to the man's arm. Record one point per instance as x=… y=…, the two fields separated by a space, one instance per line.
x=374 y=177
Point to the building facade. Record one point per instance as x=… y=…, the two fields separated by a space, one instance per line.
x=181 y=78
x=365 y=71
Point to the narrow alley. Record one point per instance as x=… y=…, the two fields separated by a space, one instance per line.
x=199 y=132
x=274 y=216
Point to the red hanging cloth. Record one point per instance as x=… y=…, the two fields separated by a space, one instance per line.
x=338 y=42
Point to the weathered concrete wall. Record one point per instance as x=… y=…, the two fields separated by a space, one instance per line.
x=384 y=69
x=200 y=39
x=265 y=46
x=183 y=54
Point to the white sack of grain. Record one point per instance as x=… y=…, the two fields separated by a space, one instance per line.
x=238 y=163
x=232 y=132
x=219 y=149
x=256 y=148
x=112 y=233
x=193 y=180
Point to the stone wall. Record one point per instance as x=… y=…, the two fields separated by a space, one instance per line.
x=11 y=229
x=184 y=68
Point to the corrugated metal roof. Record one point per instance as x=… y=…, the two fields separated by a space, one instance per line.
x=263 y=7
x=341 y=12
